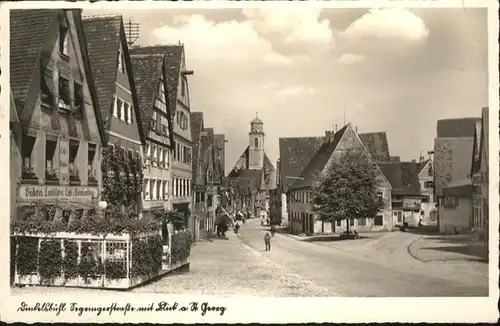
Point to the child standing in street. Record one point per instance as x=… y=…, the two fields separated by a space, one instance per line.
x=267 y=240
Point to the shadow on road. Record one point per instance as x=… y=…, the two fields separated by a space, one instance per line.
x=476 y=251
x=423 y=230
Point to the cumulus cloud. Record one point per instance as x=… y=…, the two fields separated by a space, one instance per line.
x=394 y=23
x=296 y=25
x=230 y=42
x=349 y=59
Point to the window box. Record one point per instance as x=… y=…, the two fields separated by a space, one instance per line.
x=51 y=177
x=92 y=181
x=28 y=175
x=74 y=178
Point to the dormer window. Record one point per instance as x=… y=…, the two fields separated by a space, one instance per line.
x=78 y=98
x=64 y=92
x=183 y=88
x=121 y=67
x=63 y=38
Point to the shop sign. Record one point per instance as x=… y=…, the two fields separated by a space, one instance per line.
x=411 y=204
x=56 y=192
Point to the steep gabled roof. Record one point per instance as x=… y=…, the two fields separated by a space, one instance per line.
x=173 y=60
x=377 y=145
x=29 y=31
x=403 y=177
x=422 y=165
x=147 y=76
x=13 y=113
x=456 y=128
x=295 y=155
x=104 y=37
x=250 y=179
x=318 y=163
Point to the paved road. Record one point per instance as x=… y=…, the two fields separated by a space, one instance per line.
x=376 y=267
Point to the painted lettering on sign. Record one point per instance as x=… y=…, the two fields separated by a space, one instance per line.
x=54 y=192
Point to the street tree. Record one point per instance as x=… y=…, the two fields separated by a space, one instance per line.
x=347 y=188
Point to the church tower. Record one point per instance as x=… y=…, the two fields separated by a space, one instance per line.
x=256 y=145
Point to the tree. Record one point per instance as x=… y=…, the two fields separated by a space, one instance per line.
x=347 y=189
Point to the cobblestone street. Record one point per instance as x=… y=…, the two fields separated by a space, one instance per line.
x=226 y=267
x=378 y=266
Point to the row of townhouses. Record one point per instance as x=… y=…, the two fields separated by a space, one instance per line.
x=78 y=91
x=448 y=190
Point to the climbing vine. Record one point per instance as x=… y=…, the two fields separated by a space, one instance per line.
x=70 y=261
x=49 y=261
x=122 y=178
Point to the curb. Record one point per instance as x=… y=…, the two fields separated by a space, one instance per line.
x=430 y=260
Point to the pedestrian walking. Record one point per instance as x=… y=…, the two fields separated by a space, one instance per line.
x=267 y=241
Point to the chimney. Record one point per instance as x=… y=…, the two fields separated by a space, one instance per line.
x=356 y=129
x=414 y=161
x=329 y=136
x=335 y=129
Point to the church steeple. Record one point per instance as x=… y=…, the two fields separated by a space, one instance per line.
x=256 y=144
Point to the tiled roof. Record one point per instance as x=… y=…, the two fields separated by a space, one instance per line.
x=248 y=178
x=421 y=165
x=394 y=159
x=220 y=140
x=456 y=128
x=295 y=155
x=377 y=145
x=13 y=113
x=268 y=163
x=147 y=75
x=403 y=177
x=103 y=41
x=173 y=59
x=29 y=32
x=317 y=164
x=460 y=188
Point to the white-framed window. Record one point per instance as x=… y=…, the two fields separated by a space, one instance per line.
x=63 y=37
x=115 y=106
x=153 y=120
x=122 y=111
x=159 y=183
x=147 y=194
x=148 y=153
x=166 y=152
x=153 y=157
x=160 y=157
x=152 y=189
x=165 y=189
x=128 y=112
x=119 y=108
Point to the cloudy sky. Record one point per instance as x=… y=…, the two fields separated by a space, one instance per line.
x=303 y=70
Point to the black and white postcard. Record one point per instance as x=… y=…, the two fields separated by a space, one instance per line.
x=249 y=161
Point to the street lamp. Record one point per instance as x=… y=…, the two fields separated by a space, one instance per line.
x=102 y=205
